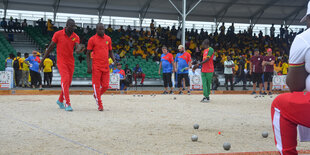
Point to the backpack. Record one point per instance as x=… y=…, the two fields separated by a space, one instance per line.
x=16 y=64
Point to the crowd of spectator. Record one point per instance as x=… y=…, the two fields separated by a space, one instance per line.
x=228 y=45
x=26 y=72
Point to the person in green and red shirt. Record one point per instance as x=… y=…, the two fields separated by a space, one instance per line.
x=206 y=70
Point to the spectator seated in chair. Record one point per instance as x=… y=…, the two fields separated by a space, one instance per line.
x=138 y=73
x=123 y=80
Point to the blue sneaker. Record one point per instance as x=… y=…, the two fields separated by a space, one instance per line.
x=69 y=108
x=61 y=105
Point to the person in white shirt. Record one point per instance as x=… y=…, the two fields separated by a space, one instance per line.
x=290 y=111
x=228 y=72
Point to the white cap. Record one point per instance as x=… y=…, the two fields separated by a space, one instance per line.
x=308 y=13
x=180 y=47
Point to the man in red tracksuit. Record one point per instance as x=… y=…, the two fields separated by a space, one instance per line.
x=291 y=111
x=66 y=41
x=101 y=47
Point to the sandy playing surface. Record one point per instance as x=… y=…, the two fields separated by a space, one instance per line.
x=140 y=125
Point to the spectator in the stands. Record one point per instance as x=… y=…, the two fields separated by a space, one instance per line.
x=17 y=26
x=128 y=73
x=123 y=80
x=109 y=29
x=138 y=73
x=285 y=67
x=34 y=70
x=11 y=25
x=48 y=72
x=38 y=57
x=282 y=31
x=222 y=29
x=228 y=72
x=241 y=74
x=50 y=28
x=4 y=24
x=117 y=57
x=25 y=72
x=24 y=24
x=272 y=29
x=231 y=29
x=152 y=26
x=9 y=66
x=128 y=31
x=42 y=25
x=17 y=66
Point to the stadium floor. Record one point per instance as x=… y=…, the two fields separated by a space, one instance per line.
x=136 y=125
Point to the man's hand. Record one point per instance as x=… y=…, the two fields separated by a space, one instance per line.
x=89 y=70
x=79 y=48
x=158 y=72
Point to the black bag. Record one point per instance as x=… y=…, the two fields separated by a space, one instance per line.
x=16 y=64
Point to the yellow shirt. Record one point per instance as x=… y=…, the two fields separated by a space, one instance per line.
x=122 y=54
x=192 y=45
x=109 y=29
x=284 y=68
x=50 y=26
x=48 y=63
x=25 y=66
x=110 y=62
x=277 y=68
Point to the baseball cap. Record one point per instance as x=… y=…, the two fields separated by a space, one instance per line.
x=180 y=47
x=269 y=50
x=308 y=13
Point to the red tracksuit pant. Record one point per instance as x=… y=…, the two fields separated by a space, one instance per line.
x=287 y=111
x=100 y=81
x=66 y=73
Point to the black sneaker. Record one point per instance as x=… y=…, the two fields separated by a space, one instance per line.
x=253 y=92
x=165 y=92
x=171 y=92
x=188 y=92
x=180 y=93
x=270 y=93
x=205 y=100
x=183 y=89
x=262 y=93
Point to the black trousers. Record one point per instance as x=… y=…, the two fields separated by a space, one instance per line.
x=180 y=77
x=242 y=78
x=229 y=77
x=167 y=80
x=48 y=78
x=18 y=76
x=35 y=78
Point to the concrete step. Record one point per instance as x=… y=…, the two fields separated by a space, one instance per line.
x=22 y=45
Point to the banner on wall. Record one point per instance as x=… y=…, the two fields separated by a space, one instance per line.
x=195 y=79
x=279 y=82
x=114 y=82
x=6 y=79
